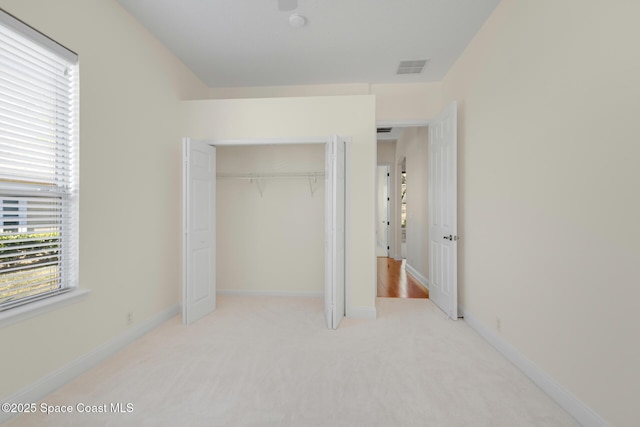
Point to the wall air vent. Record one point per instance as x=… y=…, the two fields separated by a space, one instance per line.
x=412 y=67
x=384 y=130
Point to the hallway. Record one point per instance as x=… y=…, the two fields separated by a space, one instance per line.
x=394 y=282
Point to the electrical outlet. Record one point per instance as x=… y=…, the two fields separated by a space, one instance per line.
x=130 y=318
x=498 y=324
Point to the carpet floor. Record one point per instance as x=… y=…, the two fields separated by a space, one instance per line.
x=270 y=361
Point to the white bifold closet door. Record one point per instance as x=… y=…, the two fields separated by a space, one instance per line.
x=199 y=221
x=335 y=213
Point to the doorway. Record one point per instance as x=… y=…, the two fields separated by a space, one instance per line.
x=395 y=282
x=431 y=219
x=404 y=274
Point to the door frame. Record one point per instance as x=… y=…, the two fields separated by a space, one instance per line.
x=390 y=190
x=406 y=124
x=326 y=141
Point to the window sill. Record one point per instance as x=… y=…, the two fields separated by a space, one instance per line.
x=27 y=311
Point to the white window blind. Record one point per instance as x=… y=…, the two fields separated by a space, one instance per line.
x=38 y=165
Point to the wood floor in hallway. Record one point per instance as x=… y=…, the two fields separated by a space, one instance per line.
x=395 y=282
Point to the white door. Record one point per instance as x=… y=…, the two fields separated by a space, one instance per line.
x=382 y=228
x=335 y=210
x=199 y=218
x=443 y=215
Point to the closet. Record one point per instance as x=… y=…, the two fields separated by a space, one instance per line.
x=270 y=219
x=264 y=218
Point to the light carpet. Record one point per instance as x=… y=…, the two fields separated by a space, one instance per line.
x=267 y=361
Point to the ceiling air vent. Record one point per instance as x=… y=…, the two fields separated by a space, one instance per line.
x=384 y=130
x=412 y=67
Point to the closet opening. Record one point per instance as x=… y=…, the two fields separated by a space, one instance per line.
x=264 y=217
x=270 y=220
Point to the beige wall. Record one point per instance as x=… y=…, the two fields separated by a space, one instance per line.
x=407 y=102
x=129 y=185
x=386 y=152
x=349 y=116
x=274 y=242
x=399 y=102
x=548 y=194
x=288 y=91
x=412 y=144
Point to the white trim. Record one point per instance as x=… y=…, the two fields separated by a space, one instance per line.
x=570 y=403
x=37 y=37
x=257 y=293
x=36 y=308
x=416 y=275
x=361 y=312
x=61 y=376
x=402 y=123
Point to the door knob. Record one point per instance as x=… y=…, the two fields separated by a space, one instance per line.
x=449 y=237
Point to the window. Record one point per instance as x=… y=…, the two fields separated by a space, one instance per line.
x=38 y=165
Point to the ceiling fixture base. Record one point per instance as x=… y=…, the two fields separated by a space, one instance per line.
x=297 y=21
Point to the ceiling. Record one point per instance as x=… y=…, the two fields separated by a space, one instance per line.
x=235 y=43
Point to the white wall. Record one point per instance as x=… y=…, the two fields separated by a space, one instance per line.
x=412 y=144
x=130 y=86
x=274 y=242
x=548 y=196
x=351 y=116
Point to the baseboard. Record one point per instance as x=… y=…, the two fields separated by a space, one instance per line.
x=570 y=403
x=56 y=379
x=255 y=293
x=419 y=277
x=361 y=312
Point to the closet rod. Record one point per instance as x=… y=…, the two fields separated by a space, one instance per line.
x=269 y=175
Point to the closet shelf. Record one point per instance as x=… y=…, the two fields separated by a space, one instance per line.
x=270 y=175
